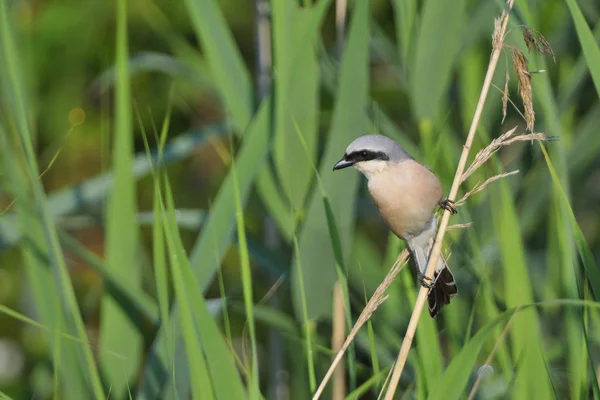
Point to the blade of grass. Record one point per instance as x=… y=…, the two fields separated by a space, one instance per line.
x=307 y=324
x=561 y=263
x=223 y=375
x=405 y=16
x=454 y=381
x=370 y=383
x=216 y=234
x=436 y=47
x=296 y=93
x=201 y=383
x=135 y=301
x=36 y=259
x=341 y=270
x=58 y=334
x=585 y=254
x=349 y=121
x=590 y=48
x=531 y=377
x=56 y=301
x=4 y=396
x=456 y=377
x=215 y=238
x=246 y=284
x=224 y=58
x=161 y=275
x=297 y=99
x=118 y=331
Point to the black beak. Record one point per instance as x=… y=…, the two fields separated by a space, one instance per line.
x=343 y=163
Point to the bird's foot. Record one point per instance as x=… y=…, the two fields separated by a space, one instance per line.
x=425 y=281
x=448 y=205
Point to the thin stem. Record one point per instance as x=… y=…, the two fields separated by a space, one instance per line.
x=341 y=8
x=491 y=357
x=375 y=301
x=337 y=340
x=435 y=254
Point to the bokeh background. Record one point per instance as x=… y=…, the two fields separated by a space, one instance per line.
x=165 y=175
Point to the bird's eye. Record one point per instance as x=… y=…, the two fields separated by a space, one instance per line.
x=364 y=154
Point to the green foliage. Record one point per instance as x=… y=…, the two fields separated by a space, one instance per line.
x=101 y=301
x=117 y=330
x=349 y=122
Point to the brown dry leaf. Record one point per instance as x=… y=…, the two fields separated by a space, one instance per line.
x=505 y=96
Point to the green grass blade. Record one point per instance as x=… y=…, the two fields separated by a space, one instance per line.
x=585 y=254
x=276 y=202
x=405 y=16
x=296 y=93
x=308 y=325
x=161 y=274
x=36 y=259
x=201 y=383
x=219 y=359
x=531 y=378
x=54 y=295
x=370 y=383
x=453 y=382
x=4 y=396
x=246 y=285
x=340 y=267
x=296 y=85
x=349 y=122
x=215 y=238
x=563 y=275
x=134 y=301
x=226 y=63
x=216 y=234
x=436 y=46
x=118 y=332
x=590 y=47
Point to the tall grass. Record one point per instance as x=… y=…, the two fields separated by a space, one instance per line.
x=101 y=304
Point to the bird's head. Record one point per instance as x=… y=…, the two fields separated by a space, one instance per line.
x=371 y=154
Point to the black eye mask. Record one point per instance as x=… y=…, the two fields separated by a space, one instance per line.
x=366 y=155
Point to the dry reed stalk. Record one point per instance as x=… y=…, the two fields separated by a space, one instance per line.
x=341 y=9
x=459 y=226
x=478 y=188
x=501 y=141
x=500 y=26
x=374 y=302
x=337 y=341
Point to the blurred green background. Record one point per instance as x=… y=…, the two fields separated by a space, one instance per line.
x=161 y=203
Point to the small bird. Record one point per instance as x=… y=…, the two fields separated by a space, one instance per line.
x=406 y=193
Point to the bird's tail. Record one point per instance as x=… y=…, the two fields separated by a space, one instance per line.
x=443 y=289
x=443 y=285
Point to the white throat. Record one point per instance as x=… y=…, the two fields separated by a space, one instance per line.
x=371 y=167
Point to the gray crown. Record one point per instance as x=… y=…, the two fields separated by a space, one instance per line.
x=379 y=143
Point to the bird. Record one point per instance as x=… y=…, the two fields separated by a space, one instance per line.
x=406 y=193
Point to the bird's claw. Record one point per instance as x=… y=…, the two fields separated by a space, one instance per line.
x=448 y=205
x=425 y=281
